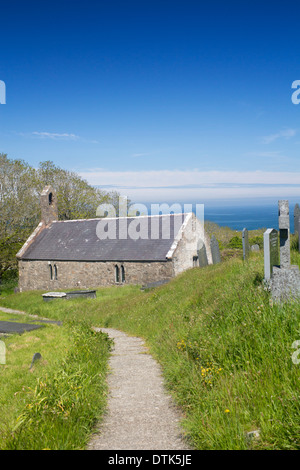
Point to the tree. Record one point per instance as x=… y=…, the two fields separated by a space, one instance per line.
x=20 y=188
x=19 y=208
x=76 y=198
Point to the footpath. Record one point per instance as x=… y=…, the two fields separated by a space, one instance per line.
x=140 y=415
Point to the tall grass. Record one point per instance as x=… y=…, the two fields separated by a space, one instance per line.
x=65 y=403
x=224 y=347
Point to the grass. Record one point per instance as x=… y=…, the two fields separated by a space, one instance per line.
x=56 y=403
x=225 y=349
x=15 y=376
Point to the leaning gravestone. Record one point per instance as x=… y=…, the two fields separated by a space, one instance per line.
x=215 y=250
x=202 y=255
x=296 y=219
x=271 y=252
x=246 y=246
x=36 y=357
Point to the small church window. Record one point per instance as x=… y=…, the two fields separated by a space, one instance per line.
x=117 y=273
x=55 y=272
x=51 y=272
x=50 y=199
x=123 y=273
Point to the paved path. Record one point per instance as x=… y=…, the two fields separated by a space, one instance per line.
x=140 y=414
x=20 y=312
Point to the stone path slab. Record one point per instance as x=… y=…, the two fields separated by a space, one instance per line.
x=20 y=312
x=14 y=327
x=140 y=415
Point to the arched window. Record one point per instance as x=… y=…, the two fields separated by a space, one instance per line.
x=50 y=199
x=117 y=273
x=55 y=272
x=51 y=272
x=123 y=273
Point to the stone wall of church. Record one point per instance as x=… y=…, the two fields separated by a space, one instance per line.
x=54 y=275
x=185 y=255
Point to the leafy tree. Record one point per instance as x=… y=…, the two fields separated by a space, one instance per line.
x=20 y=188
x=19 y=208
x=76 y=198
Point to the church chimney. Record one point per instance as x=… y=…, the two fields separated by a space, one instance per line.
x=48 y=205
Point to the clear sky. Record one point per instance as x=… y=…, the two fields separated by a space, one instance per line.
x=161 y=100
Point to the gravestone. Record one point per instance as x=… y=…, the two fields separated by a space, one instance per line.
x=15 y=327
x=215 y=250
x=2 y=353
x=36 y=357
x=284 y=233
x=91 y=294
x=246 y=246
x=255 y=247
x=202 y=255
x=54 y=295
x=284 y=281
x=296 y=219
x=271 y=252
x=154 y=284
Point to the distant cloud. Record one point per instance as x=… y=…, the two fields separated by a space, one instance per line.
x=285 y=133
x=196 y=185
x=54 y=136
x=137 y=155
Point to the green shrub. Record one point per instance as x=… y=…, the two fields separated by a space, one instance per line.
x=9 y=280
x=258 y=240
x=235 y=242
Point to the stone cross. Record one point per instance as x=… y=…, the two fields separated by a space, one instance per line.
x=215 y=250
x=296 y=219
x=284 y=233
x=246 y=246
x=271 y=252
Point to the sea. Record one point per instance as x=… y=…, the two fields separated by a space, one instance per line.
x=238 y=218
x=246 y=214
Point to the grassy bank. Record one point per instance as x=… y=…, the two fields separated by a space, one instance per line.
x=56 y=403
x=225 y=349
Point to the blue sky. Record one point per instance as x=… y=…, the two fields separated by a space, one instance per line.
x=163 y=101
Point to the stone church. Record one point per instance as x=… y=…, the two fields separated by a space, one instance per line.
x=73 y=254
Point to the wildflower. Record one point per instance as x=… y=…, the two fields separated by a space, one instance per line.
x=227 y=410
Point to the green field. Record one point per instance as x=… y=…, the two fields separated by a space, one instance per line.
x=224 y=347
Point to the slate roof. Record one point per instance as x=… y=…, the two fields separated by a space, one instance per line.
x=77 y=240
